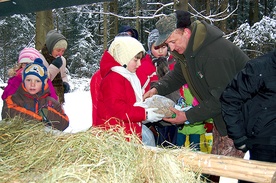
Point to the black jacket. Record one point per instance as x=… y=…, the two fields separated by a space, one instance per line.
x=208 y=64
x=249 y=101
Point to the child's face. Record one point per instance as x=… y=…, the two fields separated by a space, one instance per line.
x=23 y=65
x=33 y=84
x=58 y=52
x=134 y=63
x=160 y=51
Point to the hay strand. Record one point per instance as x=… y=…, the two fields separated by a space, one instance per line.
x=29 y=152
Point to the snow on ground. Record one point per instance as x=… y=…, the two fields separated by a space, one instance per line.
x=78 y=107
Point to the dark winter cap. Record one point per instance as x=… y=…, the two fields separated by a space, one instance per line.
x=38 y=69
x=153 y=36
x=167 y=24
x=126 y=28
x=52 y=38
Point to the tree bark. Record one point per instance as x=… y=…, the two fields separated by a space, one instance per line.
x=113 y=19
x=137 y=22
x=44 y=23
x=181 y=5
x=105 y=8
x=256 y=11
x=223 y=23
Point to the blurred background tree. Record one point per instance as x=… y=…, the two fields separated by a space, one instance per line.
x=90 y=29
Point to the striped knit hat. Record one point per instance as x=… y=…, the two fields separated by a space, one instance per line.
x=28 y=55
x=53 y=37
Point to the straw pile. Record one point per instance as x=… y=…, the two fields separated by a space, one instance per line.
x=30 y=153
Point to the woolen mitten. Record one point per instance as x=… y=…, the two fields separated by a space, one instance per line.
x=66 y=87
x=57 y=62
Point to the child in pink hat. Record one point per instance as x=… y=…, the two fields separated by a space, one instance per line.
x=26 y=56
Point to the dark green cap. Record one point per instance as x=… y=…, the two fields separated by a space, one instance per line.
x=165 y=26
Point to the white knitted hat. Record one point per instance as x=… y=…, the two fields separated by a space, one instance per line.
x=125 y=48
x=61 y=44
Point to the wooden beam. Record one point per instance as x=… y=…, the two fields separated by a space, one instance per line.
x=231 y=167
x=8 y=8
x=225 y=166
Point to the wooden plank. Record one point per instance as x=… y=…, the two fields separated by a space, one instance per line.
x=8 y=8
x=237 y=168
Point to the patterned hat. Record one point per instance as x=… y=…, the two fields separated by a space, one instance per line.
x=52 y=38
x=125 y=48
x=38 y=69
x=28 y=55
x=167 y=24
x=153 y=36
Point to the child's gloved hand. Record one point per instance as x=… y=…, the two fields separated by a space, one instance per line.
x=66 y=87
x=153 y=116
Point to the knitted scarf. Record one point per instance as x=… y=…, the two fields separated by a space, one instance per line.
x=57 y=82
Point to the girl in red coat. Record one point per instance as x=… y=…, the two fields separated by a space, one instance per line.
x=120 y=97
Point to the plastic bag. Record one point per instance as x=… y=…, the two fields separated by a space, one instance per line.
x=162 y=103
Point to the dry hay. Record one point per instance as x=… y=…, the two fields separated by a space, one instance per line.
x=29 y=153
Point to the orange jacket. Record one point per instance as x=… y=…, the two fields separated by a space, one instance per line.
x=31 y=107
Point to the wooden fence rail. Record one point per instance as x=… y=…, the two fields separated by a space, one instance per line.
x=231 y=167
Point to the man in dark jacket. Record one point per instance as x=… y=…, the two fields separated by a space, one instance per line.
x=249 y=108
x=207 y=62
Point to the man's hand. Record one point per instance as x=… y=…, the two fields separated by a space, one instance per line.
x=150 y=93
x=180 y=117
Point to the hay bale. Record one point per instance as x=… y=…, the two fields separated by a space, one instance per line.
x=29 y=153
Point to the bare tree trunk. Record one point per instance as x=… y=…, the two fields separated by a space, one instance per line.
x=138 y=26
x=44 y=23
x=265 y=8
x=192 y=3
x=208 y=7
x=251 y=13
x=105 y=8
x=223 y=23
x=181 y=5
x=113 y=8
x=256 y=11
